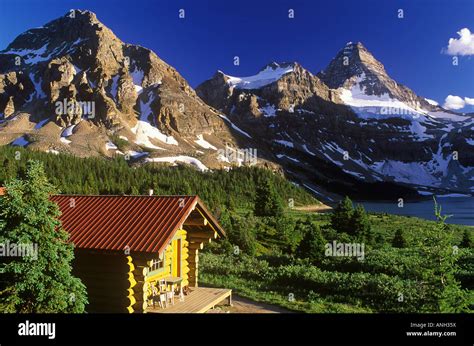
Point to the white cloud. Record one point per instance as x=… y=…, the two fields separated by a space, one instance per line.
x=454 y=102
x=464 y=45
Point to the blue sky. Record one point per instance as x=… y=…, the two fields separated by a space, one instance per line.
x=259 y=31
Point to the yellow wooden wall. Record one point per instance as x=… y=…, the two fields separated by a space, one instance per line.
x=122 y=283
x=170 y=267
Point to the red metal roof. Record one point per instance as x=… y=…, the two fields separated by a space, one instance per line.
x=2 y=191
x=137 y=223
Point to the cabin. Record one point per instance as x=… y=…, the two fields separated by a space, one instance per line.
x=132 y=252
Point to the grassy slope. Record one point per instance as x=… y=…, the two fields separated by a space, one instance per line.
x=256 y=287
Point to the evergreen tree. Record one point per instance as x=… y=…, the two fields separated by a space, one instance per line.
x=399 y=240
x=467 y=241
x=242 y=234
x=360 y=225
x=436 y=270
x=41 y=283
x=267 y=201
x=341 y=218
x=312 y=246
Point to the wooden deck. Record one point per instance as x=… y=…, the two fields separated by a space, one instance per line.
x=199 y=300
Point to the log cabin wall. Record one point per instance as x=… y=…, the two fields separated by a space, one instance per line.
x=177 y=250
x=109 y=280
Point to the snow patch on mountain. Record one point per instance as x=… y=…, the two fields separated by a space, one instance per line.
x=181 y=158
x=65 y=140
x=281 y=156
x=406 y=172
x=203 y=143
x=376 y=106
x=31 y=56
x=145 y=131
x=268 y=75
x=307 y=150
x=448 y=116
x=268 y=111
x=419 y=131
x=431 y=102
x=285 y=143
x=235 y=126
x=110 y=146
x=68 y=131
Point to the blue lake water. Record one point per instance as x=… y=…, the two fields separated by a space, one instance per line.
x=461 y=209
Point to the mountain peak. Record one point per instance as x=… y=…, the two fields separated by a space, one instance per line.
x=352 y=60
x=74 y=26
x=278 y=65
x=355 y=68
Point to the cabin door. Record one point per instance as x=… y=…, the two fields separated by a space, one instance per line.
x=176 y=267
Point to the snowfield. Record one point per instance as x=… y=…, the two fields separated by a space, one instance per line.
x=285 y=143
x=68 y=131
x=234 y=126
x=203 y=143
x=181 y=158
x=268 y=111
x=264 y=77
x=110 y=146
x=65 y=140
x=31 y=56
x=144 y=131
x=376 y=106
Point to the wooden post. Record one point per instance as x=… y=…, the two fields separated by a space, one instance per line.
x=193 y=260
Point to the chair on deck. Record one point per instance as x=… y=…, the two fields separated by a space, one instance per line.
x=181 y=294
x=160 y=294
x=170 y=296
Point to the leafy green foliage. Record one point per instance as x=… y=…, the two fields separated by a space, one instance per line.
x=467 y=239
x=43 y=282
x=389 y=279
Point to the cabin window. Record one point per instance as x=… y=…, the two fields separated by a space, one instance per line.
x=157 y=264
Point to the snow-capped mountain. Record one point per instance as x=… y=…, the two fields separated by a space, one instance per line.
x=349 y=124
x=73 y=86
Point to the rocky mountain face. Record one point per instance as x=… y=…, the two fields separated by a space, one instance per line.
x=73 y=86
x=350 y=128
x=353 y=61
